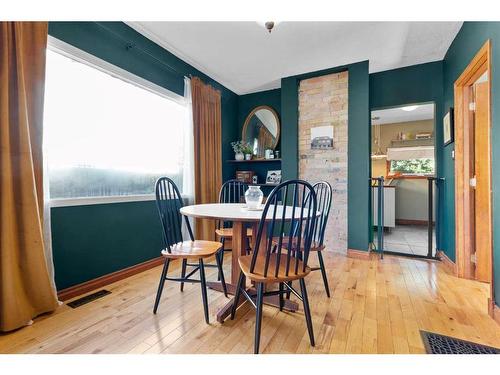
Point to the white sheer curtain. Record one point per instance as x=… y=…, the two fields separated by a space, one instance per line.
x=188 y=174
x=47 y=229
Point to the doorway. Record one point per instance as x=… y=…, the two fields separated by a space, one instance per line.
x=403 y=153
x=473 y=170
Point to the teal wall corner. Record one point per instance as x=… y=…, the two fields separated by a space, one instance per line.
x=358 y=159
x=246 y=103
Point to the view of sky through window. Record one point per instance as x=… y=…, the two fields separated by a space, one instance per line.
x=104 y=136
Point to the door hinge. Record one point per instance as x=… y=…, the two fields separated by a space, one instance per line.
x=473 y=258
x=473 y=182
x=472 y=106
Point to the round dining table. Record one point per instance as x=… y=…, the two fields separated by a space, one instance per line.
x=241 y=217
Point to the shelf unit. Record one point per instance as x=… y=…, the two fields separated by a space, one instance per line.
x=266 y=185
x=260 y=167
x=412 y=142
x=254 y=161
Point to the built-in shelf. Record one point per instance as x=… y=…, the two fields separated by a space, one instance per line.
x=254 y=161
x=269 y=185
x=413 y=142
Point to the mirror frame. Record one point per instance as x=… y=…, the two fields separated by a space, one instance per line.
x=247 y=120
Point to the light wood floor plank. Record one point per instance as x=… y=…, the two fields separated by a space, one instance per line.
x=376 y=306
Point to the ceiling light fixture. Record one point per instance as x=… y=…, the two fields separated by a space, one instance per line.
x=409 y=108
x=269 y=25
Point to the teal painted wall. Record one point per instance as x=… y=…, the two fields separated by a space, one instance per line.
x=420 y=84
x=358 y=144
x=90 y=241
x=94 y=240
x=246 y=103
x=467 y=43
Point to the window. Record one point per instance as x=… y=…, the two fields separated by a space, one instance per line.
x=108 y=136
x=422 y=166
x=410 y=161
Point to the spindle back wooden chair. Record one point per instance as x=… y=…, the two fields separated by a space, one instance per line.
x=323 y=192
x=273 y=262
x=169 y=202
x=232 y=191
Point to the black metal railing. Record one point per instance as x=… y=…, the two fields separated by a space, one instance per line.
x=430 y=217
x=380 y=212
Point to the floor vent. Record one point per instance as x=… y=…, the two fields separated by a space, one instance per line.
x=88 y=298
x=439 y=344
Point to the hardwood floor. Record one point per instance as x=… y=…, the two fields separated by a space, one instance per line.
x=376 y=307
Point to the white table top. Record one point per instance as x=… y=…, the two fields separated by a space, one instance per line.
x=236 y=212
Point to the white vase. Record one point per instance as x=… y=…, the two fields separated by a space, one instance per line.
x=248 y=156
x=253 y=197
x=239 y=156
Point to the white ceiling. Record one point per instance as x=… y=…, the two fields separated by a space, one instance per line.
x=397 y=115
x=245 y=58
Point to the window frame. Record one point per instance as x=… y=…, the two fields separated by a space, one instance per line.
x=388 y=174
x=76 y=54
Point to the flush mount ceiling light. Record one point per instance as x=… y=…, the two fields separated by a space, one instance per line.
x=269 y=25
x=409 y=108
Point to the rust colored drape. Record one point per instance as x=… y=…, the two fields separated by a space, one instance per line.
x=207 y=150
x=25 y=287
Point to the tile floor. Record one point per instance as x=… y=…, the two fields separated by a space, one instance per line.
x=407 y=239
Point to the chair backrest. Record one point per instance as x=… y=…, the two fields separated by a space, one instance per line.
x=299 y=204
x=232 y=191
x=169 y=202
x=323 y=192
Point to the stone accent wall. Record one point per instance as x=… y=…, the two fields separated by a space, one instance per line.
x=323 y=101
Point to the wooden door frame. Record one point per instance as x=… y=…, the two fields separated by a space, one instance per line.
x=480 y=64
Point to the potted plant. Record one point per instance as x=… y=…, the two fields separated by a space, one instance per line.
x=247 y=150
x=242 y=150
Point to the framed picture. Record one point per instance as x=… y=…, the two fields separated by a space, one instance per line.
x=448 y=128
x=273 y=177
x=322 y=138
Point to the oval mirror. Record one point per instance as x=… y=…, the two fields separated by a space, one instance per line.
x=261 y=130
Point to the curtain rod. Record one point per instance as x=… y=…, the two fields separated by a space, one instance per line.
x=129 y=45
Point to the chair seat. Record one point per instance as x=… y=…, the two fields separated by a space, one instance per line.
x=315 y=246
x=192 y=249
x=258 y=273
x=228 y=232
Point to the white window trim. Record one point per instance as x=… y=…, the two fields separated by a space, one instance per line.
x=83 y=57
x=88 y=201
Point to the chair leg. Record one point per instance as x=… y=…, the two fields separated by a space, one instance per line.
x=221 y=256
x=204 y=290
x=307 y=311
x=221 y=271
x=183 y=272
x=161 y=284
x=282 y=297
x=237 y=294
x=288 y=292
x=323 y=273
x=258 y=317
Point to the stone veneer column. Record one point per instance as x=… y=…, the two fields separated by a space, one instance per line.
x=323 y=101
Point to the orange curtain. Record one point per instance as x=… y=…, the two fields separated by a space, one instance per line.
x=25 y=287
x=207 y=150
